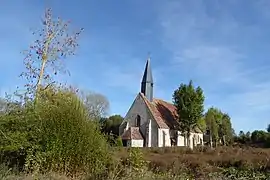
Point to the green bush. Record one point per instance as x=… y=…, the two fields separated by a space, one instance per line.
x=18 y=132
x=55 y=135
x=135 y=159
x=119 y=142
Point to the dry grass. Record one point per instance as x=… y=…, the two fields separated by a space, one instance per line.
x=203 y=160
x=39 y=177
x=179 y=163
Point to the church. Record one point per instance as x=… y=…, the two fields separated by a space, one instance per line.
x=152 y=122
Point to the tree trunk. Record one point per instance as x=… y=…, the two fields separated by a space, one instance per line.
x=185 y=139
x=188 y=139
x=224 y=140
x=44 y=59
x=210 y=140
x=39 y=82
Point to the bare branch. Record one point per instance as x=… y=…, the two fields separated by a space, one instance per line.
x=53 y=45
x=96 y=104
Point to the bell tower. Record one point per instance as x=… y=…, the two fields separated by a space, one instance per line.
x=147 y=82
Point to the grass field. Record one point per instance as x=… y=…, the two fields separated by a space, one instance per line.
x=177 y=163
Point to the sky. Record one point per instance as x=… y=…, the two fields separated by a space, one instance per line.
x=223 y=46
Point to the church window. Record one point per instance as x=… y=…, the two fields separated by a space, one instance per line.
x=138 y=121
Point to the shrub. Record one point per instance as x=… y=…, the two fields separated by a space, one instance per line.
x=19 y=132
x=135 y=159
x=118 y=142
x=56 y=134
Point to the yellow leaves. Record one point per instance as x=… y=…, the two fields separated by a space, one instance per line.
x=44 y=56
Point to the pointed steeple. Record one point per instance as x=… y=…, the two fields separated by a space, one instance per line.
x=147 y=81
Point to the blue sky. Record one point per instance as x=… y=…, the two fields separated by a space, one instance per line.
x=222 y=45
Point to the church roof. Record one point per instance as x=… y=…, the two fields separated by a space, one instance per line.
x=132 y=133
x=164 y=113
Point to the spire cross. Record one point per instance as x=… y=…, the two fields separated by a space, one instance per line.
x=149 y=55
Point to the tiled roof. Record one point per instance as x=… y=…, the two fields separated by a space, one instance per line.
x=154 y=111
x=165 y=113
x=132 y=133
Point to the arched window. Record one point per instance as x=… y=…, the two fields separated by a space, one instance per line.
x=138 y=121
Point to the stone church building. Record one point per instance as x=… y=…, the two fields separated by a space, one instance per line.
x=151 y=122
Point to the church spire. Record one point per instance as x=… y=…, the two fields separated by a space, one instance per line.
x=147 y=81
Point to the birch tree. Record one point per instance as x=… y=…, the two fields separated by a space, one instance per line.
x=46 y=55
x=219 y=126
x=226 y=129
x=211 y=125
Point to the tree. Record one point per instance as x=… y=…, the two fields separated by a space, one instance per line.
x=96 y=104
x=219 y=126
x=211 y=125
x=248 y=137
x=241 y=133
x=259 y=136
x=202 y=124
x=111 y=124
x=244 y=138
x=226 y=129
x=7 y=105
x=110 y=127
x=189 y=102
x=44 y=58
x=3 y=105
x=268 y=128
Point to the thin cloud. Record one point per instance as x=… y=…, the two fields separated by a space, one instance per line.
x=221 y=45
x=210 y=49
